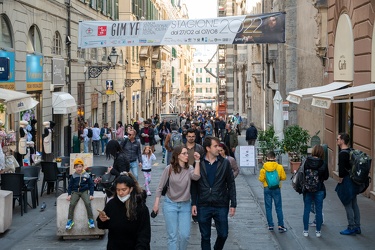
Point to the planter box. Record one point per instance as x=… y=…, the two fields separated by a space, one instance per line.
x=294 y=165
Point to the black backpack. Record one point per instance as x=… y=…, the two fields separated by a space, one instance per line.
x=360 y=164
x=89 y=133
x=311 y=183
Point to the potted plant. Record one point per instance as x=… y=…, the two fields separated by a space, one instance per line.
x=295 y=144
x=58 y=161
x=268 y=142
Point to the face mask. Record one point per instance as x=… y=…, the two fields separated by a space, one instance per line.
x=123 y=199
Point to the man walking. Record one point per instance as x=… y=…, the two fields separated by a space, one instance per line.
x=238 y=119
x=133 y=153
x=231 y=140
x=222 y=128
x=103 y=136
x=251 y=134
x=351 y=208
x=213 y=195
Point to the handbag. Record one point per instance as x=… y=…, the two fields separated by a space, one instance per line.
x=107 y=180
x=166 y=185
x=157 y=138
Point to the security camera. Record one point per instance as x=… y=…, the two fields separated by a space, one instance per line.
x=68 y=40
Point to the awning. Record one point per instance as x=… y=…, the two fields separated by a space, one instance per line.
x=297 y=95
x=143 y=52
x=324 y=100
x=16 y=101
x=63 y=103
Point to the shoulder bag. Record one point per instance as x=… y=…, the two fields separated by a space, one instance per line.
x=166 y=185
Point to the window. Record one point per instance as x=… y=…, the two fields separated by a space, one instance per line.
x=197 y=80
x=121 y=57
x=208 y=90
x=56 y=46
x=196 y=70
x=34 y=43
x=93 y=54
x=198 y=90
x=208 y=79
x=81 y=53
x=104 y=54
x=6 y=40
x=200 y=70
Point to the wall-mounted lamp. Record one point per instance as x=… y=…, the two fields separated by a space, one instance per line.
x=95 y=71
x=129 y=82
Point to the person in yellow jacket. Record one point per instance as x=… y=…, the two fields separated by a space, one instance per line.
x=271 y=183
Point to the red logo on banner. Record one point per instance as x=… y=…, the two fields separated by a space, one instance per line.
x=102 y=30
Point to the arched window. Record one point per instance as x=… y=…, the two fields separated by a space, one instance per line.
x=104 y=55
x=34 y=43
x=6 y=39
x=56 y=44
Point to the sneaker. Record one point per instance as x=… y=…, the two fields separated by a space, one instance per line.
x=348 y=232
x=312 y=224
x=270 y=229
x=69 y=224
x=103 y=153
x=358 y=230
x=318 y=234
x=91 y=223
x=282 y=229
x=306 y=233
x=148 y=193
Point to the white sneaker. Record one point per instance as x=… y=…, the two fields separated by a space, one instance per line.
x=103 y=153
x=148 y=193
x=306 y=233
x=318 y=234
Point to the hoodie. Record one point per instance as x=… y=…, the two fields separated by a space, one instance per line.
x=271 y=166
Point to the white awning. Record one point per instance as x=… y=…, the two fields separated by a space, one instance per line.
x=63 y=103
x=296 y=95
x=16 y=101
x=324 y=100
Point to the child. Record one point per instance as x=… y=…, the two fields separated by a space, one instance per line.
x=147 y=158
x=273 y=193
x=109 y=134
x=80 y=186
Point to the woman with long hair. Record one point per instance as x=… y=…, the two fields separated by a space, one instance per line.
x=120 y=163
x=163 y=132
x=224 y=152
x=126 y=216
x=177 y=205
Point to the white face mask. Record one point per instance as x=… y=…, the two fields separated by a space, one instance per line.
x=123 y=199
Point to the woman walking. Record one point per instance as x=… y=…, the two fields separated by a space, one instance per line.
x=177 y=205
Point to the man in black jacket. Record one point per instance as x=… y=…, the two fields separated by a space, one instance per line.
x=251 y=134
x=214 y=195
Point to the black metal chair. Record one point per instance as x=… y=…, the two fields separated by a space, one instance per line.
x=97 y=171
x=14 y=182
x=51 y=174
x=32 y=185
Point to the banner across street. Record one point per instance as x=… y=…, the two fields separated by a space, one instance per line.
x=263 y=28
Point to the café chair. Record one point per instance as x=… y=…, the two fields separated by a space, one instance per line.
x=32 y=185
x=97 y=171
x=14 y=182
x=51 y=174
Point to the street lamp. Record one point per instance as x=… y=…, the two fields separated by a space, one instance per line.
x=95 y=71
x=142 y=74
x=129 y=82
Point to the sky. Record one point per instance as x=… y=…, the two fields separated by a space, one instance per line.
x=201 y=8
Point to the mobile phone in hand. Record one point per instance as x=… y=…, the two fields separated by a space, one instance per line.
x=153 y=214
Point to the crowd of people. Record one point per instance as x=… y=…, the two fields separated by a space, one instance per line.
x=198 y=182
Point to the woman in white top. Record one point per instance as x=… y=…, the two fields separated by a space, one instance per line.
x=177 y=204
x=147 y=158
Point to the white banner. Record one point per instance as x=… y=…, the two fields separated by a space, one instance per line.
x=266 y=28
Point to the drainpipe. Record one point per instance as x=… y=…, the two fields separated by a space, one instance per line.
x=68 y=137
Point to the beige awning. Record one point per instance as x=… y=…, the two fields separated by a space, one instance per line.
x=296 y=95
x=63 y=103
x=324 y=100
x=16 y=101
x=143 y=52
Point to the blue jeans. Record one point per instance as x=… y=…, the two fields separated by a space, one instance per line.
x=317 y=199
x=220 y=216
x=104 y=143
x=169 y=157
x=269 y=196
x=177 y=221
x=352 y=214
x=86 y=146
x=134 y=168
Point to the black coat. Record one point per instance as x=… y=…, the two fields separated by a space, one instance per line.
x=123 y=233
x=120 y=164
x=223 y=191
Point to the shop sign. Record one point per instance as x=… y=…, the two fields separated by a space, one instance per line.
x=7 y=70
x=58 y=71
x=34 y=72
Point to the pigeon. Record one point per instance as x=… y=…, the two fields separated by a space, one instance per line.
x=43 y=207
